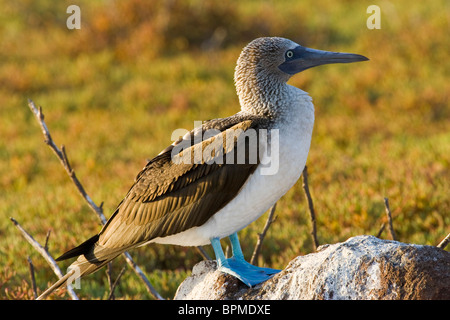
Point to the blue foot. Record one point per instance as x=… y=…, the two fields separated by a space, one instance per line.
x=237 y=266
x=249 y=274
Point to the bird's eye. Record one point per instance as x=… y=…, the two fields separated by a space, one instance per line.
x=289 y=54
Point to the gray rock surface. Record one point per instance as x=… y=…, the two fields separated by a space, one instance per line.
x=363 y=267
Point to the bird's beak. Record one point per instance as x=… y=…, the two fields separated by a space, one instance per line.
x=302 y=58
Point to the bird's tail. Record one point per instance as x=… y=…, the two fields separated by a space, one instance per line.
x=91 y=257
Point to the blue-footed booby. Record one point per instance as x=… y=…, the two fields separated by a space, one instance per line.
x=184 y=199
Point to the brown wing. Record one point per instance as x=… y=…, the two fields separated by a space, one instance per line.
x=169 y=197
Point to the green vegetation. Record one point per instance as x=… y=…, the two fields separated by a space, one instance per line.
x=114 y=91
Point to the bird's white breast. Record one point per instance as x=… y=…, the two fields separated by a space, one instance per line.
x=261 y=190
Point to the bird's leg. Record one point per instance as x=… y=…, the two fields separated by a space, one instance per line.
x=236 y=246
x=220 y=256
x=237 y=266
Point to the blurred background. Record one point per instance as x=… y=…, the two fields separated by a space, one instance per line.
x=113 y=91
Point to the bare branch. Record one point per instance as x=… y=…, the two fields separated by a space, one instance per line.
x=389 y=215
x=311 y=208
x=141 y=275
x=32 y=278
x=62 y=156
x=444 y=242
x=203 y=253
x=270 y=220
x=56 y=285
x=114 y=285
x=381 y=230
x=46 y=256
x=227 y=251
x=47 y=237
x=109 y=275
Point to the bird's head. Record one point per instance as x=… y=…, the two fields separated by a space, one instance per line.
x=281 y=58
x=265 y=63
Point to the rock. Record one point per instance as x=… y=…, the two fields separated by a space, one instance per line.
x=363 y=267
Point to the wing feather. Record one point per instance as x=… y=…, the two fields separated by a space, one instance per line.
x=169 y=197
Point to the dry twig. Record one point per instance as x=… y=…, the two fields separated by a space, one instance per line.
x=270 y=220
x=444 y=242
x=47 y=237
x=62 y=156
x=381 y=230
x=46 y=256
x=116 y=282
x=32 y=277
x=389 y=215
x=203 y=253
x=310 y=207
